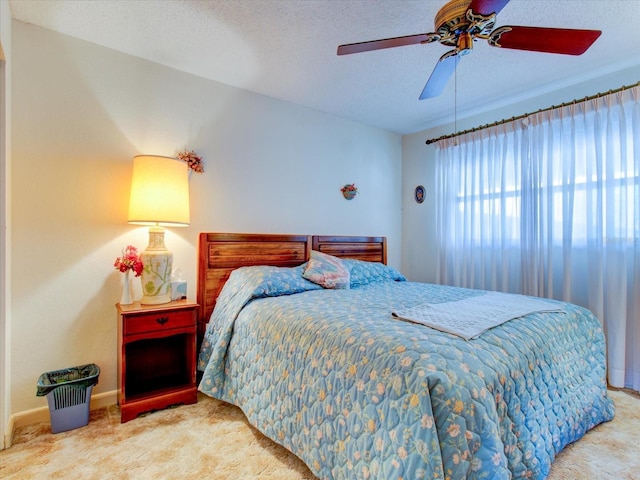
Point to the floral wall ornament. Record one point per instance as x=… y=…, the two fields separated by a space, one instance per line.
x=193 y=161
x=349 y=191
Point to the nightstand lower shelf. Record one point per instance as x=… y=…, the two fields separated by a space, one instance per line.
x=157 y=400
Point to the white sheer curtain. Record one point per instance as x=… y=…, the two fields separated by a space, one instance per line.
x=550 y=206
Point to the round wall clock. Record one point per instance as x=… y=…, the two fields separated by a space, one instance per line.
x=419 y=194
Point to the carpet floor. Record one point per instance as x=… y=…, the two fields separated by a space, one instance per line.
x=213 y=440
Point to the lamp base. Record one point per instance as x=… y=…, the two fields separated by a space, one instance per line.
x=156 y=274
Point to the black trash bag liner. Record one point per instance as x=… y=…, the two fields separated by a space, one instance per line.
x=82 y=376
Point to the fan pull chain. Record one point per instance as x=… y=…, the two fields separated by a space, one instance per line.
x=455 y=103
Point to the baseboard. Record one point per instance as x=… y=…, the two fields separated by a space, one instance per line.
x=104 y=400
x=7 y=441
x=41 y=415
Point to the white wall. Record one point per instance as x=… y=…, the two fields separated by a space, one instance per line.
x=5 y=149
x=81 y=112
x=419 y=252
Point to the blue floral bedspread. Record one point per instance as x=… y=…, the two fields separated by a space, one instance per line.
x=357 y=394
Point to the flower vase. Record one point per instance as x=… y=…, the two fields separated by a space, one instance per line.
x=126 y=291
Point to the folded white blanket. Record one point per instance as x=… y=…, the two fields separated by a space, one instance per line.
x=470 y=317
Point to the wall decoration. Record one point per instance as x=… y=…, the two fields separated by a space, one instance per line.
x=419 y=194
x=349 y=191
x=193 y=161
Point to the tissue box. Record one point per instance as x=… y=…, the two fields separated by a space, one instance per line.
x=178 y=290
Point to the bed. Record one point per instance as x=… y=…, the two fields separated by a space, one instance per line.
x=331 y=375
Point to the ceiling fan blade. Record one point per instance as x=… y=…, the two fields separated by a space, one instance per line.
x=440 y=75
x=487 y=7
x=539 y=39
x=386 y=43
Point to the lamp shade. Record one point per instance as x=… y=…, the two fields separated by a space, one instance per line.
x=159 y=191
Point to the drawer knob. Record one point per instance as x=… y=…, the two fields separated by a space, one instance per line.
x=162 y=320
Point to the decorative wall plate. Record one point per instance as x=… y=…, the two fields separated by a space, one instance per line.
x=349 y=191
x=419 y=194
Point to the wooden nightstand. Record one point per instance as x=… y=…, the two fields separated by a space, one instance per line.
x=156 y=356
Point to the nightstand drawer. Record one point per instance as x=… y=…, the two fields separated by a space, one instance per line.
x=154 y=322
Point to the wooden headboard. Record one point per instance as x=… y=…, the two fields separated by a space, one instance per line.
x=221 y=253
x=369 y=249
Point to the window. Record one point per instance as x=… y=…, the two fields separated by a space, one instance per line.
x=550 y=206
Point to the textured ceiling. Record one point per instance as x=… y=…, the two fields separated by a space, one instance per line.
x=286 y=49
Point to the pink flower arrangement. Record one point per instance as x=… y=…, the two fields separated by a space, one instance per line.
x=130 y=260
x=193 y=161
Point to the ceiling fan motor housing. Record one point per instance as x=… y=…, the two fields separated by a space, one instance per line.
x=457 y=26
x=451 y=18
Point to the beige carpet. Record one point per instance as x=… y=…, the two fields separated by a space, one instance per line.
x=212 y=440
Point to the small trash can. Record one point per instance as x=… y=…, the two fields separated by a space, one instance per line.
x=68 y=394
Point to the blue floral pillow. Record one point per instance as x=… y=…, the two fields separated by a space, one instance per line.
x=364 y=273
x=327 y=270
x=269 y=281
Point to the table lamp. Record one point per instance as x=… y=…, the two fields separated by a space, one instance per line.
x=159 y=198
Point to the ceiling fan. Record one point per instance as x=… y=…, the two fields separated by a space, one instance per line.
x=460 y=22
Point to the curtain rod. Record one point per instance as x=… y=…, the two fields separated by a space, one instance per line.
x=519 y=117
